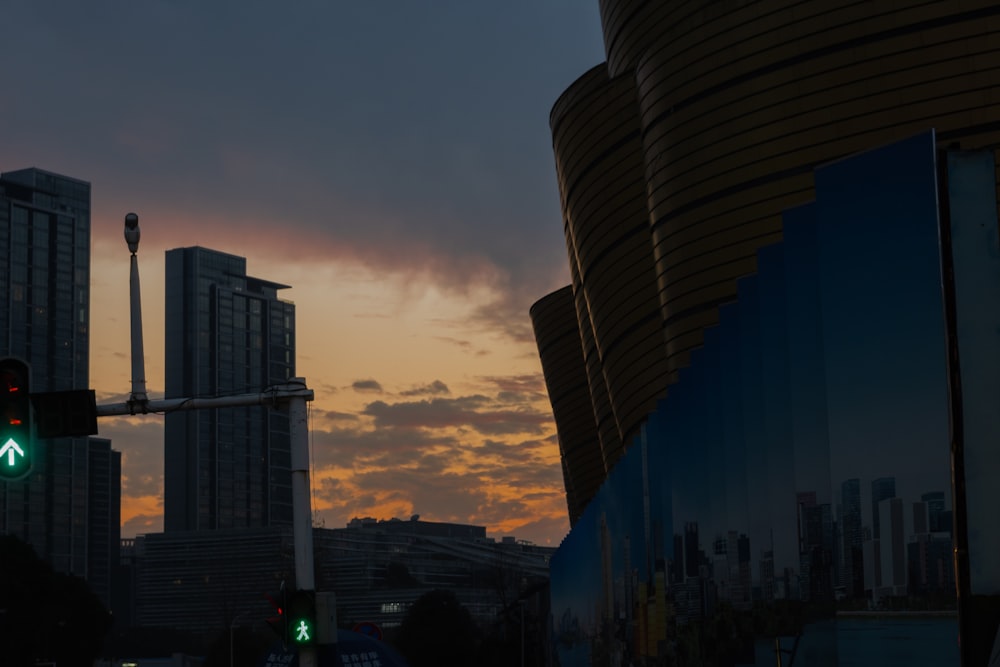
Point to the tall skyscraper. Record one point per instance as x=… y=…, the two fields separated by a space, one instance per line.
x=104 y=500
x=892 y=540
x=850 y=521
x=226 y=333
x=68 y=506
x=692 y=557
x=882 y=488
x=935 y=510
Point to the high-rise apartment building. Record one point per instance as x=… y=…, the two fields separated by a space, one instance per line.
x=68 y=506
x=226 y=333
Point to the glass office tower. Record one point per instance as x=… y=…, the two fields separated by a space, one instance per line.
x=68 y=506
x=226 y=333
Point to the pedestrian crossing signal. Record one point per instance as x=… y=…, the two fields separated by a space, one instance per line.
x=302 y=618
x=279 y=622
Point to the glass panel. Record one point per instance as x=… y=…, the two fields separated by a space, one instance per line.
x=975 y=252
x=795 y=481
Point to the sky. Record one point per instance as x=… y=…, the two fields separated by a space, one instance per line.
x=391 y=161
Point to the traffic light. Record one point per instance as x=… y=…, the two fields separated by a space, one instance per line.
x=15 y=420
x=302 y=618
x=279 y=622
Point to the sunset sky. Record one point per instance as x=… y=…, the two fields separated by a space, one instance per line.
x=390 y=160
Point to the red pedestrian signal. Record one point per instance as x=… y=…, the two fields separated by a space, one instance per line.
x=279 y=622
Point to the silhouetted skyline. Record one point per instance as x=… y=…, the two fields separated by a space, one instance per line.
x=392 y=163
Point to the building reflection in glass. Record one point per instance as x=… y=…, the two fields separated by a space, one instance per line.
x=796 y=478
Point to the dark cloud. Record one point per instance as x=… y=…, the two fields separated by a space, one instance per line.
x=508 y=313
x=524 y=464
x=338 y=493
x=104 y=398
x=440 y=164
x=412 y=460
x=142 y=459
x=410 y=139
x=436 y=387
x=465 y=411
x=367 y=386
x=140 y=524
x=354 y=447
x=529 y=384
x=462 y=497
x=323 y=388
x=334 y=416
x=425 y=458
x=455 y=496
x=524 y=451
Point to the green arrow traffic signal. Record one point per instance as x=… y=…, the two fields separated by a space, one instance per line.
x=15 y=420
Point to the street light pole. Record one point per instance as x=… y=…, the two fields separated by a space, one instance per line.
x=291 y=396
x=138 y=395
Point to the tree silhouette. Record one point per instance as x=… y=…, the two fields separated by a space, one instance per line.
x=47 y=616
x=438 y=631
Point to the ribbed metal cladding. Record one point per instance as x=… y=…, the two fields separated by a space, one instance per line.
x=741 y=100
x=557 y=334
x=607 y=426
x=630 y=26
x=597 y=143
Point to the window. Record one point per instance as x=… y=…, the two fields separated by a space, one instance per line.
x=393 y=607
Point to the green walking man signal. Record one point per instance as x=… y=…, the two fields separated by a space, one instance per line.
x=302 y=618
x=303 y=633
x=15 y=420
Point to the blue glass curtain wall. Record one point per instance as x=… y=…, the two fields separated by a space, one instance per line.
x=792 y=495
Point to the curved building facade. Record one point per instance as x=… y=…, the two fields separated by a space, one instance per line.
x=557 y=332
x=628 y=27
x=741 y=101
x=608 y=438
x=597 y=143
x=716 y=114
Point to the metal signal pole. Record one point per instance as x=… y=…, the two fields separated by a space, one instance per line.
x=290 y=396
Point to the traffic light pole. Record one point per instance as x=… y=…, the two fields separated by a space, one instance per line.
x=274 y=397
x=291 y=396
x=298 y=427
